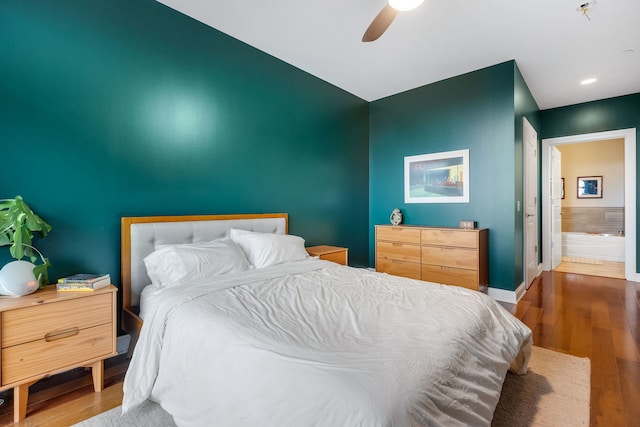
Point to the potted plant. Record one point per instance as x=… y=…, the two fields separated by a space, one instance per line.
x=18 y=223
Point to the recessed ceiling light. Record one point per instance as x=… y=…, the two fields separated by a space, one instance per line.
x=404 y=5
x=588 y=81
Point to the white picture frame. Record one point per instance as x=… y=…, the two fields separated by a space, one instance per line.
x=437 y=177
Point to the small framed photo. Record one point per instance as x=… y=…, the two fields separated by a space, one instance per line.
x=562 y=189
x=589 y=187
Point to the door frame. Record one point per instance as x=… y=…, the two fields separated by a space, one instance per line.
x=629 y=136
x=525 y=162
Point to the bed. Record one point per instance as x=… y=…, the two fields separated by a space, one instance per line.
x=290 y=340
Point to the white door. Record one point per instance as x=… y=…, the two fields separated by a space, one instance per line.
x=556 y=207
x=530 y=139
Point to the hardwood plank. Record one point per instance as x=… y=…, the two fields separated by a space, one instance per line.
x=607 y=409
x=581 y=338
x=604 y=369
x=630 y=387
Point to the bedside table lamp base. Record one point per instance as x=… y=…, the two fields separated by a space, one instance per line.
x=17 y=279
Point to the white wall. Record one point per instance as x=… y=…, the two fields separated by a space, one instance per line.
x=597 y=158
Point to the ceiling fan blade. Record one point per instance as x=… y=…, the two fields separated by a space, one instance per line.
x=380 y=24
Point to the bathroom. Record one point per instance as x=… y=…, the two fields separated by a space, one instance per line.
x=593 y=203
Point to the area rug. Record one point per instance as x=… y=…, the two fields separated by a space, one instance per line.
x=555 y=392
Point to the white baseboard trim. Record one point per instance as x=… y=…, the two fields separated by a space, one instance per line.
x=502 y=295
x=122 y=343
x=521 y=290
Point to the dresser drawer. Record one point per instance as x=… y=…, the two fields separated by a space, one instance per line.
x=33 y=323
x=398 y=234
x=450 y=257
x=398 y=251
x=446 y=237
x=450 y=276
x=35 y=358
x=398 y=268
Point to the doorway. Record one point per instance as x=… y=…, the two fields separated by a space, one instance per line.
x=548 y=240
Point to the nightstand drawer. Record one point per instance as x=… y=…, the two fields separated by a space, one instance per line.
x=335 y=254
x=33 y=323
x=398 y=234
x=450 y=276
x=450 y=257
x=337 y=257
x=398 y=251
x=398 y=268
x=24 y=361
x=450 y=237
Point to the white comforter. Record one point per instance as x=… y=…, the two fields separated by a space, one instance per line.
x=316 y=344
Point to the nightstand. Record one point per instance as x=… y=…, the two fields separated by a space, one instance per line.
x=330 y=253
x=49 y=332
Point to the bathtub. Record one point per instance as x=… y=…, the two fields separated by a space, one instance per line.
x=605 y=247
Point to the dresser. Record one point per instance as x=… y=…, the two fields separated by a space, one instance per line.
x=452 y=256
x=49 y=332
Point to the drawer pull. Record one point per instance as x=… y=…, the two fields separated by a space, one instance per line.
x=59 y=335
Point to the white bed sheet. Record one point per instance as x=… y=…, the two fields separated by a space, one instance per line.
x=313 y=343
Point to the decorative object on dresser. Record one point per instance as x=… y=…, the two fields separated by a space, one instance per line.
x=450 y=256
x=467 y=224
x=330 y=253
x=83 y=282
x=17 y=225
x=396 y=217
x=47 y=332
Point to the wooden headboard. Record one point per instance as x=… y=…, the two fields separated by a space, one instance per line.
x=141 y=234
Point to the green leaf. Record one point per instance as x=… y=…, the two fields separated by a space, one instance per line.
x=17 y=224
x=40 y=271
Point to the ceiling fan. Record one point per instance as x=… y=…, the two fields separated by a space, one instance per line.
x=384 y=18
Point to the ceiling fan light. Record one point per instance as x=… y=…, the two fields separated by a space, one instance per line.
x=404 y=5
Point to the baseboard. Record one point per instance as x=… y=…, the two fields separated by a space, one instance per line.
x=122 y=343
x=502 y=295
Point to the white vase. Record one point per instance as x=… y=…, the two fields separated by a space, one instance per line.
x=396 y=217
x=17 y=279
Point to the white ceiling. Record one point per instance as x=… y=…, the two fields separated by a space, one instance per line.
x=554 y=45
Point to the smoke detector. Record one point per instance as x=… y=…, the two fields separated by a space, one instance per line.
x=584 y=8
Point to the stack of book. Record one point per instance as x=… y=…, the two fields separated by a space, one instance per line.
x=83 y=282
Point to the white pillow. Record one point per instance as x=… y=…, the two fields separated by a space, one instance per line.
x=265 y=249
x=173 y=265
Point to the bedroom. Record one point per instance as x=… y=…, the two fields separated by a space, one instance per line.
x=111 y=132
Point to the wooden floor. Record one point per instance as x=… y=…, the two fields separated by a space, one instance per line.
x=598 y=318
x=586 y=316
x=592 y=267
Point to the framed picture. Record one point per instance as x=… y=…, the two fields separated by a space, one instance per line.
x=437 y=178
x=562 y=189
x=589 y=187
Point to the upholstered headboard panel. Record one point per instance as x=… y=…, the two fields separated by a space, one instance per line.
x=141 y=234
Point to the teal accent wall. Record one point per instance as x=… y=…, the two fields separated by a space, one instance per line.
x=598 y=116
x=475 y=111
x=119 y=108
x=112 y=108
